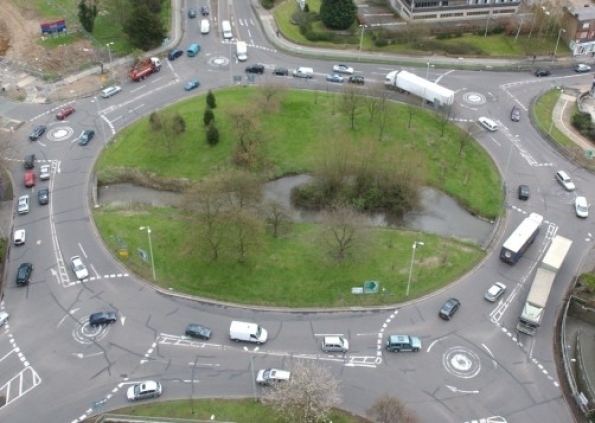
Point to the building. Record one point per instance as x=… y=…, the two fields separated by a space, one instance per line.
x=579 y=23
x=440 y=10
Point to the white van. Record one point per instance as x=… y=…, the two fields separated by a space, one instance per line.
x=247 y=332
x=488 y=123
x=226 y=30
x=303 y=72
x=242 y=51
x=205 y=26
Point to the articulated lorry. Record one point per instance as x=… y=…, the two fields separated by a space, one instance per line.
x=408 y=82
x=144 y=68
x=534 y=307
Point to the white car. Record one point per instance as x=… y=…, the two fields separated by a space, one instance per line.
x=565 y=180
x=495 y=291
x=581 y=206
x=343 y=69
x=44 y=172
x=19 y=237
x=3 y=317
x=23 y=204
x=110 y=91
x=79 y=268
x=144 y=390
x=581 y=67
x=488 y=124
x=271 y=376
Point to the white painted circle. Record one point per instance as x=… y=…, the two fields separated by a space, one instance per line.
x=474 y=98
x=86 y=334
x=461 y=362
x=60 y=133
x=218 y=61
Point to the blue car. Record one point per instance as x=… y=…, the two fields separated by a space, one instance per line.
x=335 y=78
x=190 y=85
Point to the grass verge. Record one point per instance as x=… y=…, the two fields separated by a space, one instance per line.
x=543 y=109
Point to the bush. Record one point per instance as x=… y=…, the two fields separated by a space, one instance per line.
x=208 y=117
x=267 y=4
x=211 y=103
x=337 y=14
x=582 y=121
x=212 y=135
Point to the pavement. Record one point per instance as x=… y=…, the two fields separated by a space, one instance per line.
x=562 y=117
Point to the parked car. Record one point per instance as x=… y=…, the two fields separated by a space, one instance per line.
x=174 y=54
x=29 y=179
x=335 y=77
x=37 y=132
x=279 y=71
x=24 y=273
x=78 y=268
x=198 y=331
x=110 y=91
x=29 y=161
x=44 y=172
x=3 y=318
x=43 y=196
x=542 y=72
x=204 y=10
x=581 y=206
x=398 y=343
x=335 y=344
x=581 y=67
x=191 y=13
x=190 y=85
x=357 y=79
x=488 y=124
x=19 y=237
x=515 y=114
x=144 y=390
x=564 y=179
x=272 y=376
x=86 y=136
x=23 y=204
x=64 y=112
x=523 y=192
x=103 y=318
x=495 y=291
x=257 y=68
x=449 y=308
x=343 y=69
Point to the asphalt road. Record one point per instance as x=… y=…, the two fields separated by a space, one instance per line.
x=54 y=367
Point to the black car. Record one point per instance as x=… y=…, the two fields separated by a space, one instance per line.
x=174 y=54
x=356 y=79
x=515 y=114
x=258 y=68
x=86 y=136
x=37 y=132
x=191 y=13
x=29 y=161
x=281 y=71
x=542 y=72
x=24 y=273
x=103 y=318
x=198 y=331
x=43 y=196
x=204 y=10
x=523 y=192
x=449 y=308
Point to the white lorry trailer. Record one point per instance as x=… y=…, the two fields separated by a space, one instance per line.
x=411 y=83
x=534 y=307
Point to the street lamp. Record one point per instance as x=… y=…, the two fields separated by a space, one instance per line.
x=428 y=69
x=485 y=34
x=558 y=40
x=109 y=52
x=413 y=248
x=361 y=38
x=148 y=229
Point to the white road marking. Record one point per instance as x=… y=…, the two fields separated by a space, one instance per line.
x=455 y=389
x=328 y=334
x=437 y=81
x=95 y=271
x=140 y=87
x=84 y=253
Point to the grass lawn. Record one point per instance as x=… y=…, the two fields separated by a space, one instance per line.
x=306 y=125
x=542 y=115
x=239 y=411
x=294 y=270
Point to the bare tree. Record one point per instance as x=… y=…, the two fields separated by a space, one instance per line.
x=389 y=409
x=372 y=102
x=276 y=216
x=351 y=103
x=343 y=230
x=245 y=126
x=444 y=114
x=271 y=93
x=308 y=396
x=383 y=111
x=242 y=189
x=410 y=110
x=246 y=232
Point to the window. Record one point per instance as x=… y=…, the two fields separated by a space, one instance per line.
x=586 y=25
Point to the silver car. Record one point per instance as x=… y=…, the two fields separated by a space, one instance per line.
x=78 y=268
x=23 y=204
x=581 y=206
x=565 y=180
x=44 y=172
x=144 y=390
x=495 y=291
x=110 y=91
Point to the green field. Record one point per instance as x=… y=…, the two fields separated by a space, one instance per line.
x=542 y=115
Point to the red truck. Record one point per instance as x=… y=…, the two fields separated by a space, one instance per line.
x=144 y=68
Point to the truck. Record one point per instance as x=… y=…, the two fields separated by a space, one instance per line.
x=410 y=83
x=144 y=68
x=247 y=332
x=534 y=307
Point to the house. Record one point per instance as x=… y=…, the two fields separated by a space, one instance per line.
x=441 y=10
x=579 y=23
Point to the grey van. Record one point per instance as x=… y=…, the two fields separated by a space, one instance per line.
x=397 y=343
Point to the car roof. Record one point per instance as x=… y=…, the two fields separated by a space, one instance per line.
x=149 y=385
x=333 y=339
x=563 y=174
x=581 y=200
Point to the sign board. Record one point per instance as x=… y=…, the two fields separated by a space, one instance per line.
x=143 y=255
x=302 y=4
x=123 y=252
x=53 y=27
x=589 y=154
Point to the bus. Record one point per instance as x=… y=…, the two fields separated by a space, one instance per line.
x=522 y=237
x=226 y=29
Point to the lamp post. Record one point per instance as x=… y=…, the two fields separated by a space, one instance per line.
x=109 y=52
x=413 y=248
x=361 y=39
x=558 y=40
x=148 y=229
x=485 y=34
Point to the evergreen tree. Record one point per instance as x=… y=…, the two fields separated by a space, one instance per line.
x=337 y=14
x=208 y=117
x=144 y=29
x=87 y=15
x=212 y=135
x=211 y=103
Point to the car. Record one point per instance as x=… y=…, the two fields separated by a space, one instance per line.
x=279 y=71
x=494 y=292
x=144 y=390
x=174 y=54
x=78 y=268
x=356 y=79
x=86 y=136
x=195 y=330
x=44 y=172
x=64 y=112
x=542 y=72
x=515 y=114
x=581 y=206
x=449 y=308
x=110 y=91
x=488 y=124
x=343 y=69
x=335 y=344
x=190 y=85
x=29 y=161
x=257 y=68
x=581 y=67
x=398 y=343
x=191 y=13
x=19 y=237
x=564 y=179
x=523 y=192
x=29 y=179
x=272 y=376
x=3 y=318
x=24 y=273
x=23 y=204
x=103 y=318
x=43 y=196
x=37 y=132
x=335 y=77
x=204 y=10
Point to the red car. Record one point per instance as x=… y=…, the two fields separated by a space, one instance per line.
x=64 y=112
x=29 y=178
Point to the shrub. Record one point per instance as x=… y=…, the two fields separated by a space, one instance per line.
x=211 y=103
x=212 y=135
x=581 y=121
x=208 y=117
x=267 y=4
x=337 y=14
